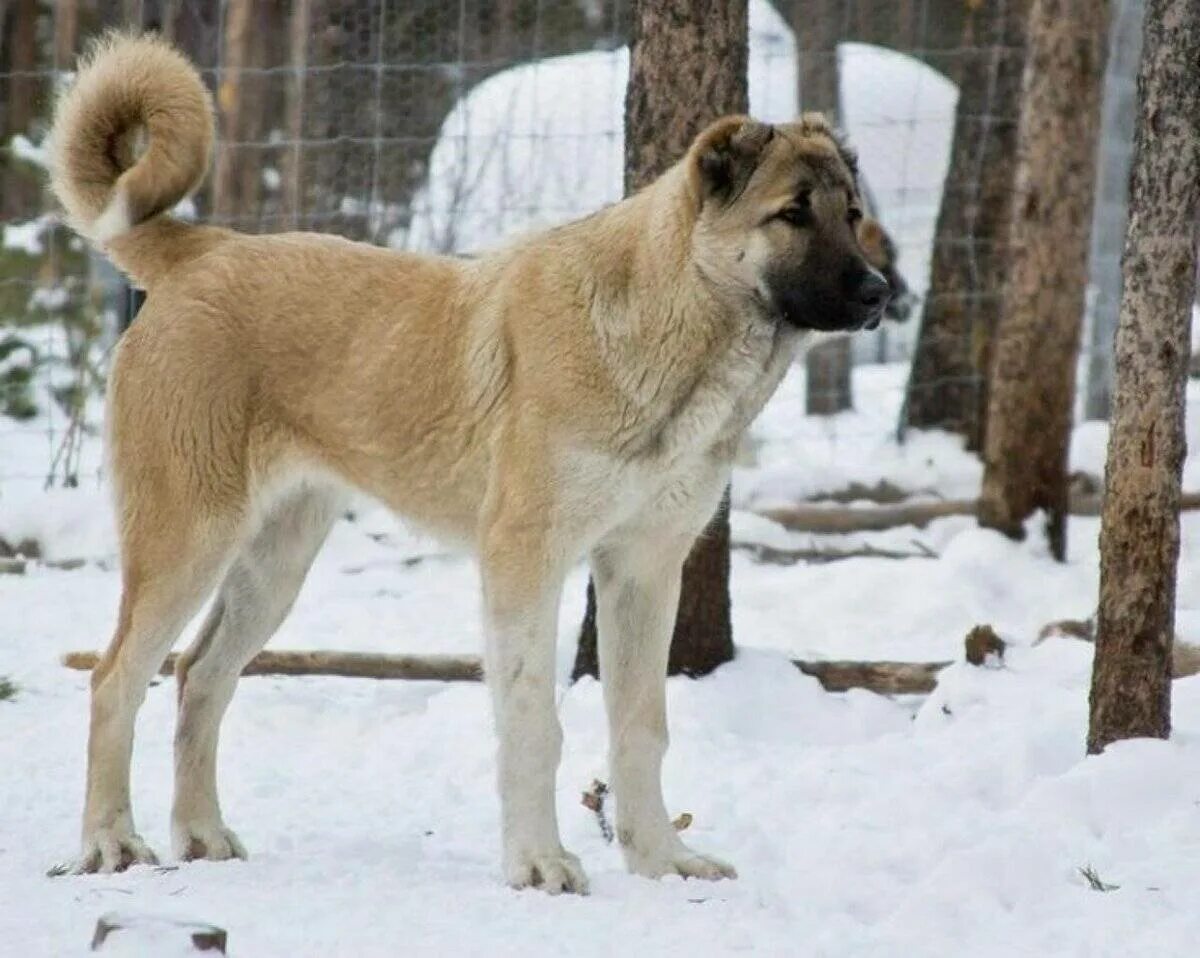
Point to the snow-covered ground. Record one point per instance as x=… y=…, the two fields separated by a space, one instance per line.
x=949 y=825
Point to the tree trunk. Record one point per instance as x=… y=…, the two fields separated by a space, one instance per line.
x=1139 y=532
x=818 y=29
x=947 y=384
x=235 y=104
x=1037 y=345
x=66 y=33
x=293 y=171
x=20 y=90
x=687 y=66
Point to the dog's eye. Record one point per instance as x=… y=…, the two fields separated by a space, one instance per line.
x=795 y=216
x=854 y=216
x=798 y=214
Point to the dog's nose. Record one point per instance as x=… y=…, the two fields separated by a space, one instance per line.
x=873 y=292
x=871 y=298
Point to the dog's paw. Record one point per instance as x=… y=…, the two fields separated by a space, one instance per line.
x=679 y=860
x=554 y=872
x=109 y=850
x=192 y=841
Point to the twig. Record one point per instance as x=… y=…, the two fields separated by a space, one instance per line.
x=1095 y=881
x=593 y=799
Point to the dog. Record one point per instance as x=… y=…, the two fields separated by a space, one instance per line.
x=576 y=395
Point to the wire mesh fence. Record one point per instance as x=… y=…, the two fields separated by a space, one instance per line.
x=447 y=125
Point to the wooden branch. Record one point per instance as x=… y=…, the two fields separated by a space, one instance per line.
x=822 y=519
x=826 y=519
x=356 y=665
x=886 y=678
x=882 y=677
x=776 y=556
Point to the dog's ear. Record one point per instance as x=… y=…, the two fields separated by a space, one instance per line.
x=725 y=155
x=817 y=124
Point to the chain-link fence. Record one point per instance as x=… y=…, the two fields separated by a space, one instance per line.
x=448 y=125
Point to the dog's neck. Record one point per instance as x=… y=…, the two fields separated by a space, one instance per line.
x=693 y=364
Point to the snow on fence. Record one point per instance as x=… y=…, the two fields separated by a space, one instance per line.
x=448 y=126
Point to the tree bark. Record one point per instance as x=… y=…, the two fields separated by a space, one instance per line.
x=66 y=33
x=293 y=170
x=1032 y=379
x=20 y=90
x=241 y=114
x=687 y=67
x=947 y=384
x=1139 y=533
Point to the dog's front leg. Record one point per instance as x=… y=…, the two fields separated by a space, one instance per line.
x=637 y=598
x=522 y=587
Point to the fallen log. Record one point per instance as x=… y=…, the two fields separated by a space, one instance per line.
x=773 y=555
x=883 y=677
x=886 y=678
x=354 y=665
x=830 y=520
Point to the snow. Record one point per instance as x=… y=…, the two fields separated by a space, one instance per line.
x=22 y=148
x=957 y=823
x=25 y=237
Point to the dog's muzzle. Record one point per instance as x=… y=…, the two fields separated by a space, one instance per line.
x=869 y=300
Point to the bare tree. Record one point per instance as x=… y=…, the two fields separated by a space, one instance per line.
x=1037 y=343
x=1139 y=533
x=947 y=385
x=234 y=117
x=687 y=66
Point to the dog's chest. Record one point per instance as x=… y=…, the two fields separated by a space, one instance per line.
x=678 y=462
x=710 y=411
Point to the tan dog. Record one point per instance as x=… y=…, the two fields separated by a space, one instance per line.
x=576 y=395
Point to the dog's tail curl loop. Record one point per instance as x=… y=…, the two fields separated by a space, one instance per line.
x=132 y=136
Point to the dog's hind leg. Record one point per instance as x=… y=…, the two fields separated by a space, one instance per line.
x=637 y=597
x=171 y=561
x=252 y=602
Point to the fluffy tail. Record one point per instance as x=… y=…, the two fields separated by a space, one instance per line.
x=132 y=137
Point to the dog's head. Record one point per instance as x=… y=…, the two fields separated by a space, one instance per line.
x=778 y=218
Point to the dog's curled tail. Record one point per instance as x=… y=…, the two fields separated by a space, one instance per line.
x=132 y=136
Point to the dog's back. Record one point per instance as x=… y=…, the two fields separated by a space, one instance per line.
x=259 y=348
